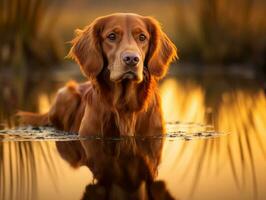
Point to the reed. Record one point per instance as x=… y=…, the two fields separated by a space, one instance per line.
x=26 y=34
x=20 y=165
x=222 y=31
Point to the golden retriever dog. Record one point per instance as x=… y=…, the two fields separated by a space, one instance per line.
x=123 y=55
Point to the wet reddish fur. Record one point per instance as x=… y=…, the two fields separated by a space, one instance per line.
x=100 y=106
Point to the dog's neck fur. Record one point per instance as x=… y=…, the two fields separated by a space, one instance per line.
x=125 y=96
x=124 y=100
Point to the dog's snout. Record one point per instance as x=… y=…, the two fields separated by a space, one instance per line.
x=130 y=59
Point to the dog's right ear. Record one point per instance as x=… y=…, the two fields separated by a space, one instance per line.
x=86 y=49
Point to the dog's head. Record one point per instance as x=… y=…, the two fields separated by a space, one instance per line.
x=125 y=44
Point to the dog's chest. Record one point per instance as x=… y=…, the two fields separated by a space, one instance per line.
x=117 y=124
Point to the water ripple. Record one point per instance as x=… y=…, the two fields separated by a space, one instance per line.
x=174 y=130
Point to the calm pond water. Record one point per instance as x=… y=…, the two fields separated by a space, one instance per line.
x=215 y=147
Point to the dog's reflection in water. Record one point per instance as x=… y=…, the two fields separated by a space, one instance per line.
x=123 y=169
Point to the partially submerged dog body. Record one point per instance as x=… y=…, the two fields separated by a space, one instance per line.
x=123 y=55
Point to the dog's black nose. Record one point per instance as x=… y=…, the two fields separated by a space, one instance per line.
x=131 y=59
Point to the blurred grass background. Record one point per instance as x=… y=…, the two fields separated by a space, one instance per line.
x=26 y=37
x=33 y=32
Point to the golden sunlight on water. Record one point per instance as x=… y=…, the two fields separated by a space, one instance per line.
x=43 y=103
x=228 y=167
x=234 y=163
x=34 y=170
x=238 y=110
x=181 y=103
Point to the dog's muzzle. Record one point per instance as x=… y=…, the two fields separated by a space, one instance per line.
x=130 y=76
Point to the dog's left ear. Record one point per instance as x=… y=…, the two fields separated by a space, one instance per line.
x=161 y=50
x=86 y=49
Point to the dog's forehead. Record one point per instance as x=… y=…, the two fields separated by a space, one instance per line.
x=124 y=22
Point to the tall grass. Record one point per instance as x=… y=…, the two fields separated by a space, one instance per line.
x=24 y=38
x=223 y=31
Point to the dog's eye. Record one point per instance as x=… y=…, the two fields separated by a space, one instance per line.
x=142 y=37
x=111 y=36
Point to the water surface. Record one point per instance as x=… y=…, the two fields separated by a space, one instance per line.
x=214 y=147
